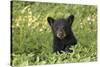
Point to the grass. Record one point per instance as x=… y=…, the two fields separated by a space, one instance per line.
x=32 y=36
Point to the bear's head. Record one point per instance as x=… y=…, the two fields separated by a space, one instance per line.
x=61 y=27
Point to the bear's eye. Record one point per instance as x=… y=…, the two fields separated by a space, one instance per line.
x=56 y=27
x=63 y=27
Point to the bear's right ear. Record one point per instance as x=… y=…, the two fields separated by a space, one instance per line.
x=50 y=21
x=70 y=19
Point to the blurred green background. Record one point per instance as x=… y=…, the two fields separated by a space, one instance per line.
x=32 y=35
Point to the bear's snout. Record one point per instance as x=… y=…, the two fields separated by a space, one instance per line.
x=61 y=34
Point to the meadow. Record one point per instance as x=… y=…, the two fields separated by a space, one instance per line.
x=32 y=35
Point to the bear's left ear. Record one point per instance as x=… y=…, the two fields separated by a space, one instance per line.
x=70 y=19
x=50 y=21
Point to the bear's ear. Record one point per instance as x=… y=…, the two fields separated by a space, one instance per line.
x=70 y=19
x=50 y=20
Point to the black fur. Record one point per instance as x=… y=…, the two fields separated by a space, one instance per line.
x=62 y=33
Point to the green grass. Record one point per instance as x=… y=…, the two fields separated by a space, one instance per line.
x=32 y=36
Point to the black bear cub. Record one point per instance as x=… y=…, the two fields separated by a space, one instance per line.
x=62 y=33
